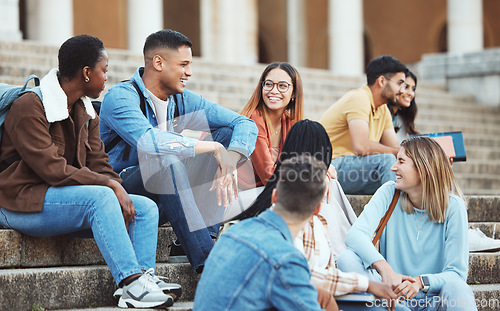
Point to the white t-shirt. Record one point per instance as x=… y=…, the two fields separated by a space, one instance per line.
x=160 y=109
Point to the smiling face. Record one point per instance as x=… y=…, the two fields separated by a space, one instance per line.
x=408 y=94
x=392 y=89
x=175 y=69
x=275 y=100
x=407 y=176
x=97 y=77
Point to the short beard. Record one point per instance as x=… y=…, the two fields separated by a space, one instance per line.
x=390 y=100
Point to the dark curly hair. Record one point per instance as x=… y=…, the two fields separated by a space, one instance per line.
x=166 y=38
x=383 y=66
x=78 y=52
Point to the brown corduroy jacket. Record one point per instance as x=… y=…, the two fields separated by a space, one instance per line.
x=67 y=152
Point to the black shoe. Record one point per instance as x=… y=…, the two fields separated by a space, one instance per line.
x=177 y=254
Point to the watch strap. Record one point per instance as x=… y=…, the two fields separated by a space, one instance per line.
x=425 y=283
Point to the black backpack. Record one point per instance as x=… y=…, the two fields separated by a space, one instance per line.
x=109 y=146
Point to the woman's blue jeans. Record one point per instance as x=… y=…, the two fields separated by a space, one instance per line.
x=455 y=295
x=81 y=209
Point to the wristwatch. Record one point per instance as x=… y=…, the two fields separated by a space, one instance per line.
x=425 y=283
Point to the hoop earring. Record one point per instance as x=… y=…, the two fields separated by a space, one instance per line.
x=87 y=79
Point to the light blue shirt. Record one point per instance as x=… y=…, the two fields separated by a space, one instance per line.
x=255 y=266
x=121 y=115
x=441 y=251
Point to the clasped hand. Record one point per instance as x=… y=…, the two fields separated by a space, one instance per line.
x=226 y=180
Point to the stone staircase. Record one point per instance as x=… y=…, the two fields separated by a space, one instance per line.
x=63 y=273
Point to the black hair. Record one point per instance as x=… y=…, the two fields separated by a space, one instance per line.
x=407 y=114
x=78 y=52
x=383 y=66
x=305 y=137
x=167 y=39
x=301 y=186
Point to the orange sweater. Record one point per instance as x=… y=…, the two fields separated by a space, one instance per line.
x=262 y=163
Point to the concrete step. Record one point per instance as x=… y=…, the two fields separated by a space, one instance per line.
x=487 y=296
x=76 y=287
x=92 y=287
x=477 y=166
x=480 y=208
x=22 y=251
x=484 y=268
x=478 y=181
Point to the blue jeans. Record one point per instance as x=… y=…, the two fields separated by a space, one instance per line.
x=364 y=174
x=181 y=189
x=95 y=210
x=456 y=295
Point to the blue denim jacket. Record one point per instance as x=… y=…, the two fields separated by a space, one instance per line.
x=255 y=266
x=121 y=115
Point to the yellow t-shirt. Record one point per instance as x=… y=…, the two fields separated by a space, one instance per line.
x=355 y=104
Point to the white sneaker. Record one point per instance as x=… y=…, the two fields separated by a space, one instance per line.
x=171 y=289
x=479 y=242
x=144 y=293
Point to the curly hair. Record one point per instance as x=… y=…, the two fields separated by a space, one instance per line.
x=78 y=52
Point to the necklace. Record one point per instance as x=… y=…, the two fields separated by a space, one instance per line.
x=422 y=223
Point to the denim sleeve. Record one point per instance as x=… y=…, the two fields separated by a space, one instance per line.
x=289 y=286
x=121 y=112
x=244 y=130
x=456 y=261
x=360 y=236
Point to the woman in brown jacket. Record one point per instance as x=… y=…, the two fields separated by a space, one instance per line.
x=56 y=178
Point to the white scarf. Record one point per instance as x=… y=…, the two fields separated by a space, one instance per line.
x=55 y=101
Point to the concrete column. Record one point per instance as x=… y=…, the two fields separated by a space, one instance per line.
x=465 y=26
x=9 y=15
x=229 y=31
x=297 y=30
x=345 y=25
x=144 y=18
x=50 y=21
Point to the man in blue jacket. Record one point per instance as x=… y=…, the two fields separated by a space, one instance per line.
x=141 y=124
x=254 y=264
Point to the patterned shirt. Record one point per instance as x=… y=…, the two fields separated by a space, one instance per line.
x=313 y=242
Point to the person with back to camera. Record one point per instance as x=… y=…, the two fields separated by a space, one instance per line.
x=58 y=180
x=403 y=116
x=254 y=264
x=360 y=128
x=176 y=171
x=425 y=237
x=322 y=237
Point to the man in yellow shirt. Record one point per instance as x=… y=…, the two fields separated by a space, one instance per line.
x=361 y=131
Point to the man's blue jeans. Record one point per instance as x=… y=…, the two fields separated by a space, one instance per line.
x=364 y=174
x=181 y=189
x=87 y=210
x=457 y=295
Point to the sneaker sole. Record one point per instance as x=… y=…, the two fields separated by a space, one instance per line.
x=487 y=250
x=131 y=303
x=174 y=293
